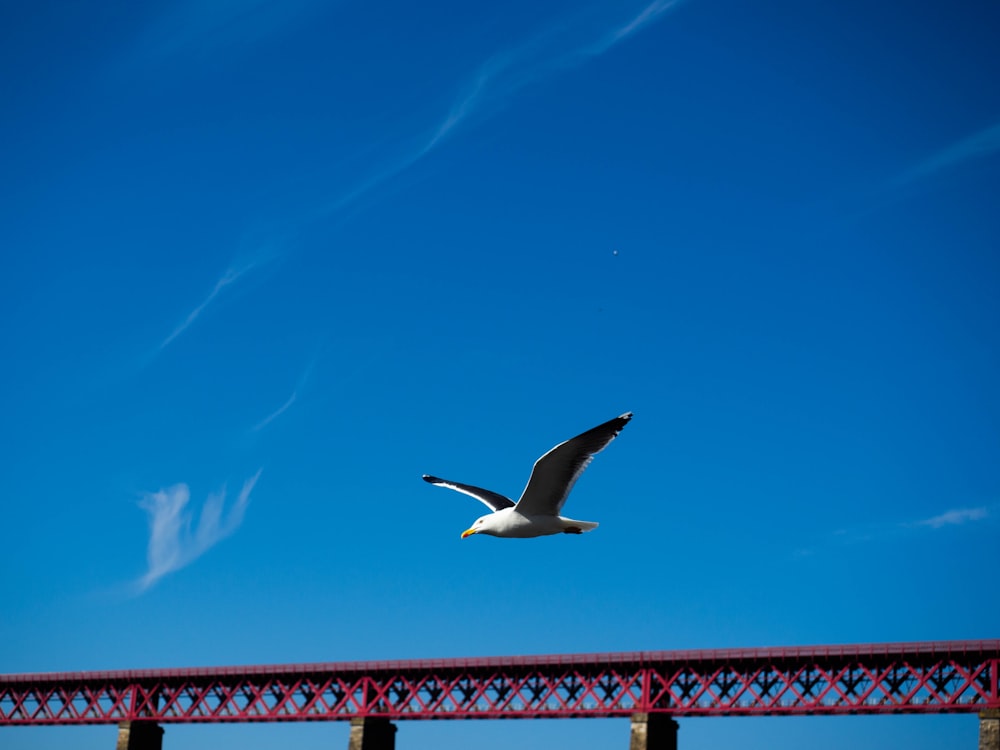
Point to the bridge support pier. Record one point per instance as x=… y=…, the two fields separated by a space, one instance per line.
x=139 y=735
x=653 y=732
x=989 y=729
x=372 y=733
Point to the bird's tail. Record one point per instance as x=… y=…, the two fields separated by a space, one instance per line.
x=578 y=527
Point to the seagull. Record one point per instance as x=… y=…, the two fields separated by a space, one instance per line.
x=553 y=476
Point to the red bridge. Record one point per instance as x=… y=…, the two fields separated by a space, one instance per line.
x=650 y=687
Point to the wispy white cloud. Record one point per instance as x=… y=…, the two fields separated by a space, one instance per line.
x=174 y=541
x=976 y=146
x=863 y=534
x=889 y=191
x=955 y=517
x=231 y=275
x=561 y=47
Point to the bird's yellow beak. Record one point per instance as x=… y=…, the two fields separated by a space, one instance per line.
x=468 y=532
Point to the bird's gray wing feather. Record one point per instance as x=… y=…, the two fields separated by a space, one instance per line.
x=492 y=500
x=556 y=472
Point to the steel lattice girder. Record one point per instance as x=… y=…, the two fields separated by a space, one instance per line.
x=954 y=676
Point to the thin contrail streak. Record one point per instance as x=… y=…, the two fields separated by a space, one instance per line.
x=506 y=73
x=229 y=277
x=276 y=413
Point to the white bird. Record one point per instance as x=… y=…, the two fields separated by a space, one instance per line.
x=553 y=476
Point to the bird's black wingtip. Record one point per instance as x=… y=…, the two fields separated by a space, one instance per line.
x=429 y=478
x=620 y=421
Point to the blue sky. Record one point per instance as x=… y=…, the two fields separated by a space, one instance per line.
x=265 y=264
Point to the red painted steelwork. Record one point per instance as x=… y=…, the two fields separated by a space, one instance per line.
x=940 y=677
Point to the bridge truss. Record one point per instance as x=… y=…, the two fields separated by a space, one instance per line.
x=941 y=677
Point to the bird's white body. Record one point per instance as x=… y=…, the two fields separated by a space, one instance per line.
x=536 y=513
x=508 y=522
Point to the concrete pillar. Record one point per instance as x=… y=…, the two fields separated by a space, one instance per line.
x=140 y=735
x=989 y=729
x=653 y=732
x=372 y=733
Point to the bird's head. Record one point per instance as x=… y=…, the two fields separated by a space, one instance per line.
x=482 y=525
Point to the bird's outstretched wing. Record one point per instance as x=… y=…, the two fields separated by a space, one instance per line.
x=492 y=500
x=556 y=472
